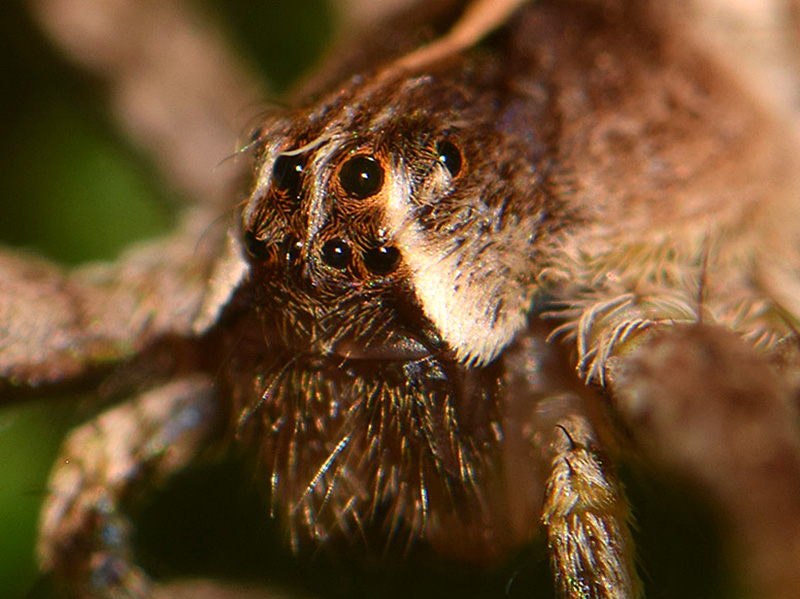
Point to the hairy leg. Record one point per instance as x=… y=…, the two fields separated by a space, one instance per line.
x=586 y=513
x=84 y=538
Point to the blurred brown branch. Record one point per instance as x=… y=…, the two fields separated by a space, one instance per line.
x=177 y=90
x=182 y=98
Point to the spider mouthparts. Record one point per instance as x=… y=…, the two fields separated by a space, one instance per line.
x=397 y=348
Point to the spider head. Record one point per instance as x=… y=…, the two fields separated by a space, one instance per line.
x=398 y=214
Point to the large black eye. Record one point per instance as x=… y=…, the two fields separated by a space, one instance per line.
x=361 y=176
x=450 y=156
x=286 y=173
x=336 y=253
x=382 y=260
x=257 y=248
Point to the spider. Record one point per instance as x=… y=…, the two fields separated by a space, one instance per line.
x=476 y=259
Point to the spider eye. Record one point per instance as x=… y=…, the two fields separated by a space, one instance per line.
x=382 y=260
x=291 y=248
x=255 y=247
x=286 y=174
x=450 y=156
x=336 y=253
x=361 y=176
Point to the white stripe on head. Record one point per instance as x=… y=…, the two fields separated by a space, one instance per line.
x=468 y=307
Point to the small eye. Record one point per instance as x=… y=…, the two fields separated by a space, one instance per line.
x=382 y=260
x=291 y=248
x=256 y=248
x=361 y=176
x=450 y=156
x=286 y=173
x=336 y=253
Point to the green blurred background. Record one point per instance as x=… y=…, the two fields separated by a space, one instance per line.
x=72 y=189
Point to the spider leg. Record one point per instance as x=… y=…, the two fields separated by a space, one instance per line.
x=702 y=403
x=584 y=510
x=585 y=513
x=84 y=538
